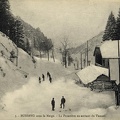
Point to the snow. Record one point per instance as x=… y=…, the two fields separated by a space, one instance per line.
x=20 y=95
x=90 y=73
x=6 y=45
x=25 y=61
x=36 y=98
x=109 y=49
x=50 y=60
x=12 y=80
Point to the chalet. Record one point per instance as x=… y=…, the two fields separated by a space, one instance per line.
x=96 y=77
x=103 y=82
x=108 y=50
x=106 y=56
x=90 y=73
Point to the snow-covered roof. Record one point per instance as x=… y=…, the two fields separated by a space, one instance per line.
x=109 y=49
x=90 y=73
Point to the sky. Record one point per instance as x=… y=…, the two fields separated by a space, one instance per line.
x=78 y=20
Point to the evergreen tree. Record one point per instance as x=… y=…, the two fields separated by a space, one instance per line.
x=18 y=30
x=12 y=29
x=110 y=30
x=19 y=33
x=46 y=45
x=28 y=47
x=5 y=16
x=118 y=26
x=34 y=43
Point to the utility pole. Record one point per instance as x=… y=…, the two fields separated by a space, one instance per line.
x=81 y=60
x=118 y=60
x=87 y=53
x=109 y=68
x=85 y=59
x=118 y=89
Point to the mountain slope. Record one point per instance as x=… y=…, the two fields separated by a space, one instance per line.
x=13 y=77
x=10 y=77
x=92 y=43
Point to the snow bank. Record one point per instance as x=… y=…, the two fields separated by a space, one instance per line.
x=9 y=76
x=6 y=45
x=46 y=60
x=25 y=61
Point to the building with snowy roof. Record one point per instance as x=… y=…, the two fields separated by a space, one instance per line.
x=107 y=55
x=108 y=50
x=96 y=77
x=90 y=73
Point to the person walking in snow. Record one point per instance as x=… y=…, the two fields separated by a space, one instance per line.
x=39 y=79
x=62 y=102
x=43 y=77
x=53 y=104
x=50 y=79
x=48 y=74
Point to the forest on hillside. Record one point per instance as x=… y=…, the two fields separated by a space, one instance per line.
x=22 y=33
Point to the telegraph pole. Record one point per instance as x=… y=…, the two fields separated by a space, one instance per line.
x=117 y=91
x=81 y=60
x=87 y=53
x=109 y=68
x=118 y=60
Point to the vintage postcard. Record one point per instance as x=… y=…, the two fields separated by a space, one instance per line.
x=59 y=59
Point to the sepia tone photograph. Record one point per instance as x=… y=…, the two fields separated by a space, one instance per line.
x=59 y=59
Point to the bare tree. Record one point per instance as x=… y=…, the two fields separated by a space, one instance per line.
x=53 y=54
x=64 y=50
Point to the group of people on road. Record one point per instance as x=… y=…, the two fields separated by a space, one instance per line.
x=62 y=104
x=43 y=77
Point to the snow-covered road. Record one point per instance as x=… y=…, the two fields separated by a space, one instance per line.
x=35 y=98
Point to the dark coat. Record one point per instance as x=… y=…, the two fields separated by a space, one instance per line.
x=53 y=102
x=43 y=76
x=63 y=100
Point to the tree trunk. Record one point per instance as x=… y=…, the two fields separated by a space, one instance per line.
x=48 y=54
x=53 y=55
x=40 y=54
x=17 y=54
x=62 y=60
x=65 y=60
